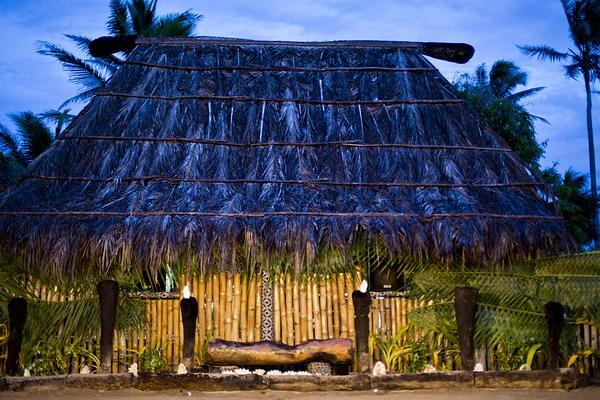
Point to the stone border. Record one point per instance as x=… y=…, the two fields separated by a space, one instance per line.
x=565 y=378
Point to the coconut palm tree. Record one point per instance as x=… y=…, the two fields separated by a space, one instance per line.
x=33 y=138
x=495 y=97
x=127 y=17
x=581 y=61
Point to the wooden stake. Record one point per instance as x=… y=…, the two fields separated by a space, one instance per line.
x=216 y=306
x=200 y=283
x=309 y=309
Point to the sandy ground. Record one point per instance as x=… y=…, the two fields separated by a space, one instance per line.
x=591 y=393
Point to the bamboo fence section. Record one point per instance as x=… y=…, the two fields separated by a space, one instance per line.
x=229 y=308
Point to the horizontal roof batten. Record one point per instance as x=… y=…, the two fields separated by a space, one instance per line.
x=317 y=214
x=275 y=68
x=245 y=99
x=319 y=182
x=283 y=144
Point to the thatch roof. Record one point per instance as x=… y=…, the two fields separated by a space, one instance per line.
x=198 y=145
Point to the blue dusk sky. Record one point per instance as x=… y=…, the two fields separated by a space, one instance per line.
x=29 y=81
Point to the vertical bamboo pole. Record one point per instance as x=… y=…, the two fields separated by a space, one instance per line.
x=244 y=308
x=252 y=294
x=257 y=325
x=158 y=312
x=330 y=330
x=276 y=311
x=388 y=316
x=323 y=307
x=349 y=305
x=303 y=313
x=374 y=316
x=316 y=309
x=336 y=306
x=201 y=330
x=216 y=306
x=309 y=309
x=296 y=308
x=228 y=307
x=283 y=309
x=289 y=306
x=343 y=308
x=222 y=304
x=235 y=323
x=208 y=302
x=168 y=337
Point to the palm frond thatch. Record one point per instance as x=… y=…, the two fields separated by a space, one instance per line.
x=198 y=145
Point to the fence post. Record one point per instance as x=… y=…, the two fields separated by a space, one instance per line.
x=17 y=314
x=189 y=314
x=555 y=319
x=362 y=306
x=108 y=292
x=465 y=307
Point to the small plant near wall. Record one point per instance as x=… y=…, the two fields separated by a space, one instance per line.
x=152 y=360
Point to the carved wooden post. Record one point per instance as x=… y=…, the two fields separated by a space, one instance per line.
x=362 y=306
x=465 y=307
x=189 y=314
x=17 y=314
x=108 y=291
x=267 y=328
x=555 y=318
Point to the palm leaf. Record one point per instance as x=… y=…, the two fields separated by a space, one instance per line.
x=117 y=23
x=10 y=143
x=36 y=137
x=81 y=72
x=543 y=52
x=176 y=25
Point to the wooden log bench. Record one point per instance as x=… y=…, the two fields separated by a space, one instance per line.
x=224 y=352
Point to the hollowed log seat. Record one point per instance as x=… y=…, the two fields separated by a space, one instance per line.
x=225 y=352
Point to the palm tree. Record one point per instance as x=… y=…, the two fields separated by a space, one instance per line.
x=33 y=138
x=495 y=97
x=129 y=17
x=582 y=61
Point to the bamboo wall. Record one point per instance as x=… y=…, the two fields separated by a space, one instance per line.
x=229 y=308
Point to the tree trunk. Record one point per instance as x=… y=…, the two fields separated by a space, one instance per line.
x=465 y=307
x=108 y=291
x=555 y=318
x=189 y=314
x=223 y=352
x=17 y=314
x=592 y=156
x=362 y=306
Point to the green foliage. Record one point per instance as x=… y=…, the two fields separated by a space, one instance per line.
x=152 y=360
x=576 y=203
x=47 y=358
x=402 y=353
x=132 y=17
x=510 y=316
x=494 y=99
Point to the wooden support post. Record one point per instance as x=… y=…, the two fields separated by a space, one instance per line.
x=17 y=314
x=465 y=307
x=362 y=306
x=108 y=291
x=555 y=318
x=267 y=329
x=189 y=314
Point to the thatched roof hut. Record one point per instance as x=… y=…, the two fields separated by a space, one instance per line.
x=200 y=147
